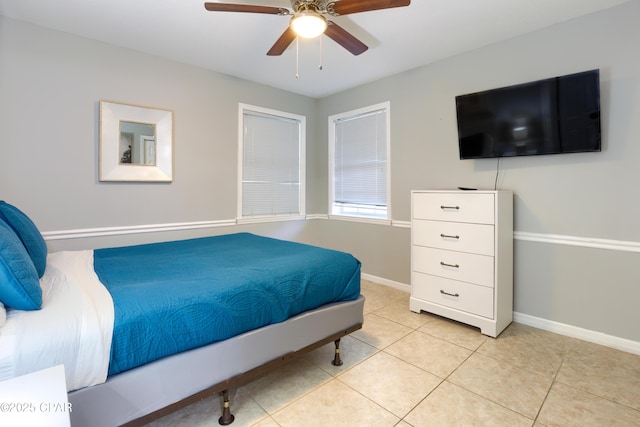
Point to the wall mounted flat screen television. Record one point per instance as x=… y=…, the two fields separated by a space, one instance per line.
x=551 y=116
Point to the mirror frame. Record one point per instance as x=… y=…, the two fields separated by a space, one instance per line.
x=110 y=168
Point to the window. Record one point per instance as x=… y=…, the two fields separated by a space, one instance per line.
x=358 y=161
x=271 y=157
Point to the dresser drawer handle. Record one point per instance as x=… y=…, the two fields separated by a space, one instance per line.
x=449 y=207
x=447 y=293
x=444 y=264
x=447 y=236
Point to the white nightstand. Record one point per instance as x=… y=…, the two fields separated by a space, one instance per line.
x=36 y=399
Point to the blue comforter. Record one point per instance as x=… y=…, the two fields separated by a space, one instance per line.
x=175 y=296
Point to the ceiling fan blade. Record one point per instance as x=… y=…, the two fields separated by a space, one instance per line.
x=276 y=3
x=230 y=7
x=344 y=38
x=345 y=7
x=282 y=43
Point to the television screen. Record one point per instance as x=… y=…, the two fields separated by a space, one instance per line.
x=551 y=116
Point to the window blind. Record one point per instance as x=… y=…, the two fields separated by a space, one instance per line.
x=360 y=165
x=270 y=165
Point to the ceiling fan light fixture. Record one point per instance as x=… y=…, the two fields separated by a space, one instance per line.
x=308 y=23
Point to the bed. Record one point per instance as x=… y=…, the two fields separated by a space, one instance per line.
x=144 y=330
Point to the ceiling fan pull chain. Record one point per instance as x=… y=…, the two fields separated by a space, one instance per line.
x=297 y=57
x=320 y=67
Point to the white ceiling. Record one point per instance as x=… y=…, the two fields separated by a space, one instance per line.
x=236 y=43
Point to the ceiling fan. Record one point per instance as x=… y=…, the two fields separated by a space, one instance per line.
x=308 y=19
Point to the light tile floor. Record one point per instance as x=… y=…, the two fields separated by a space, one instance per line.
x=406 y=369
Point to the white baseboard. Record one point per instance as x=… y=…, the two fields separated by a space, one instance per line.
x=386 y=282
x=544 y=324
x=579 y=333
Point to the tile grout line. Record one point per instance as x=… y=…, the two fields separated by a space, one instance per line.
x=569 y=348
x=555 y=376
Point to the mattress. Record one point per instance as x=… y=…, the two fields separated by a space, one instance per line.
x=175 y=296
x=95 y=302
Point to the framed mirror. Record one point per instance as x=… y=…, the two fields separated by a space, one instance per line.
x=136 y=143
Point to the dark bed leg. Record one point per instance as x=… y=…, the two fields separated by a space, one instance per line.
x=336 y=360
x=226 y=418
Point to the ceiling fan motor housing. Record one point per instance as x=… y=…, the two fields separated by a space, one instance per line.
x=318 y=6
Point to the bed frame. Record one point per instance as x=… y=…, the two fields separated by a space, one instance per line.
x=141 y=395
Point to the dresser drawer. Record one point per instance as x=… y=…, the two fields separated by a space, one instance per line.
x=462 y=266
x=454 y=236
x=455 y=206
x=451 y=293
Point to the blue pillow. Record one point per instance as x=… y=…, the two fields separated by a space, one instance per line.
x=28 y=234
x=19 y=282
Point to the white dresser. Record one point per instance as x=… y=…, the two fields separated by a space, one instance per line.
x=462 y=256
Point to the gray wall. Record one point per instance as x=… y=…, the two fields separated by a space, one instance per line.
x=581 y=197
x=50 y=86
x=51 y=82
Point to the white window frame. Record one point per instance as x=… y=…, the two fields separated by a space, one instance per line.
x=246 y=108
x=359 y=213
